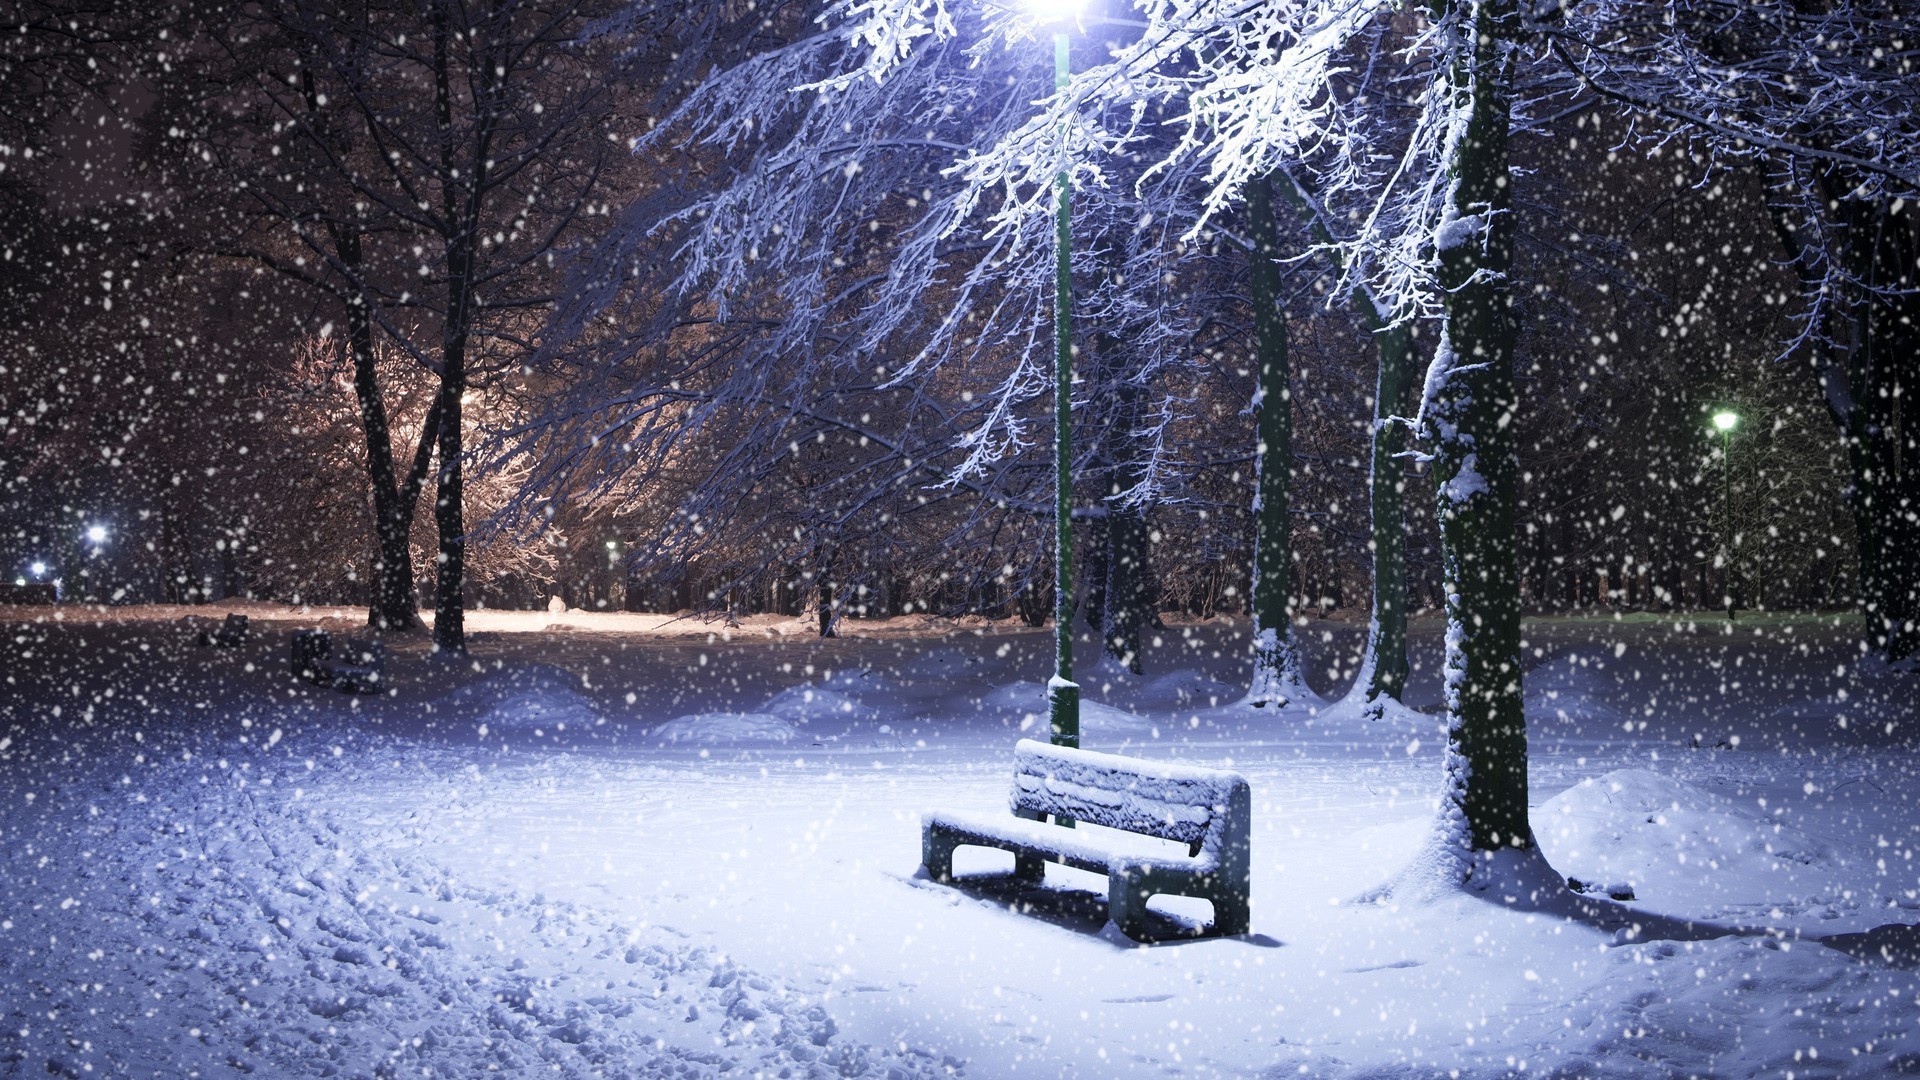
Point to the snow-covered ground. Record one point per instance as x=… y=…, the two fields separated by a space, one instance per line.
x=632 y=846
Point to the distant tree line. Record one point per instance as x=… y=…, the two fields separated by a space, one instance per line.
x=383 y=290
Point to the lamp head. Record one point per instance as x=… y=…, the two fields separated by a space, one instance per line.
x=39 y=568
x=1726 y=419
x=97 y=533
x=1054 y=12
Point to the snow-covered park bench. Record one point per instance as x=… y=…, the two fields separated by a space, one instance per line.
x=359 y=672
x=1206 y=809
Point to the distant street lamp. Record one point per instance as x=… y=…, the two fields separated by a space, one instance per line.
x=97 y=534
x=1726 y=420
x=1063 y=694
x=616 y=598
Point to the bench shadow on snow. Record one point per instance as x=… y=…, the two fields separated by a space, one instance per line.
x=1081 y=911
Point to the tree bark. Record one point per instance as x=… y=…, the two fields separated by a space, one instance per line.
x=1468 y=420
x=1277 y=680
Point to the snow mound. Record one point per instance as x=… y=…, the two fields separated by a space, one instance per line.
x=1570 y=689
x=542 y=711
x=1028 y=702
x=1654 y=835
x=536 y=697
x=507 y=682
x=724 y=727
x=806 y=704
x=1188 y=687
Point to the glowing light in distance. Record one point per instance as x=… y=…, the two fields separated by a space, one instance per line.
x=1055 y=11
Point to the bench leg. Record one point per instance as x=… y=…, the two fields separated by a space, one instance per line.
x=1029 y=868
x=1230 y=915
x=936 y=853
x=1127 y=902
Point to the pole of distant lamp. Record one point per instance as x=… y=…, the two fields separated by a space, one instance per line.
x=1063 y=695
x=1726 y=507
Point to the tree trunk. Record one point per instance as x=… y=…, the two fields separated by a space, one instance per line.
x=1277 y=679
x=1881 y=439
x=1385 y=660
x=460 y=196
x=1865 y=383
x=1128 y=610
x=1383 y=666
x=829 y=611
x=1094 y=552
x=393 y=605
x=1129 y=589
x=1468 y=419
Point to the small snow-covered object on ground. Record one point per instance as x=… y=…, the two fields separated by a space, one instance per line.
x=524 y=697
x=725 y=727
x=357 y=669
x=807 y=704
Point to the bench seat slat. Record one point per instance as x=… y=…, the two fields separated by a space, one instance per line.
x=1074 y=847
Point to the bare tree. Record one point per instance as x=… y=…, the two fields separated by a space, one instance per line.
x=422 y=165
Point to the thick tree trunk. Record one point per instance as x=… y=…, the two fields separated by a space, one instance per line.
x=1277 y=679
x=1468 y=418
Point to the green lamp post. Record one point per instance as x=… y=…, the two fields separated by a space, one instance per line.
x=1726 y=420
x=1063 y=694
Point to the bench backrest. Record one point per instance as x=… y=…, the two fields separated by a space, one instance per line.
x=1174 y=802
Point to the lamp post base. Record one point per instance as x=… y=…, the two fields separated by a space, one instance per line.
x=1063 y=711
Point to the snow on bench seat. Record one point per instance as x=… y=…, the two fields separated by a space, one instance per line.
x=1206 y=809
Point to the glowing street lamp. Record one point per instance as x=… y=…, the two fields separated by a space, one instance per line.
x=1063 y=694
x=1726 y=420
x=97 y=534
